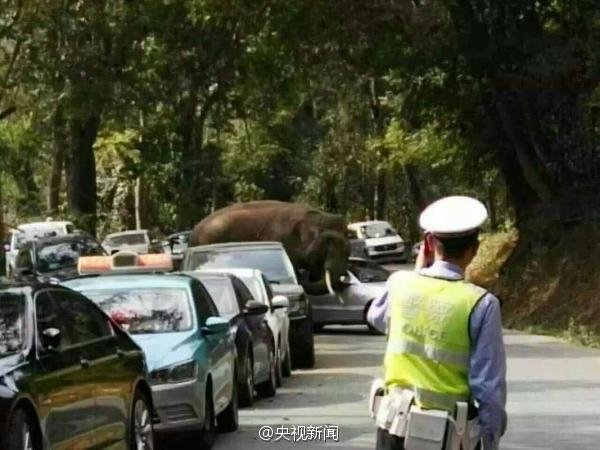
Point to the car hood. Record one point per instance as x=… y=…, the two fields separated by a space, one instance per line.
x=372 y=242
x=291 y=291
x=10 y=363
x=373 y=290
x=61 y=274
x=166 y=349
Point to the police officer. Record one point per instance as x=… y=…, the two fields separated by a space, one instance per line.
x=445 y=334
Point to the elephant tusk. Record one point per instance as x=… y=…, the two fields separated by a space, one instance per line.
x=328 y=282
x=330 y=287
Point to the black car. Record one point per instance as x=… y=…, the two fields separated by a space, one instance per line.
x=69 y=377
x=55 y=257
x=253 y=338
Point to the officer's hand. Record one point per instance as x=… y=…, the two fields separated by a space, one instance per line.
x=426 y=256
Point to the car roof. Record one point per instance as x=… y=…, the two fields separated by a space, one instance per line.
x=118 y=281
x=367 y=222
x=49 y=224
x=258 y=245
x=238 y=272
x=123 y=233
x=179 y=233
x=63 y=238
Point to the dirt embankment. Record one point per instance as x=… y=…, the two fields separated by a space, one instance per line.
x=551 y=286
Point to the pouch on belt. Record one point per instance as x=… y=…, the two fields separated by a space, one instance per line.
x=426 y=429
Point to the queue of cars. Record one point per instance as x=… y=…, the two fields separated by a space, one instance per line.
x=103 y=347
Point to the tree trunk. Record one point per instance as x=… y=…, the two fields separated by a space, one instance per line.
x=137 y=194
x=82 y=171
x=491 y=203
x=381 y=199
x=60 y=144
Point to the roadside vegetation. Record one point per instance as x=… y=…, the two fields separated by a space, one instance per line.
x=366 y=109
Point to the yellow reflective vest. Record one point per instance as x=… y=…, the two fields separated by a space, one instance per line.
x=428 y=338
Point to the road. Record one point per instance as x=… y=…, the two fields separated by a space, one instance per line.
x=553 y=401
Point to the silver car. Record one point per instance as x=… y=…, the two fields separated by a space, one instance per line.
x=364 y=282
x=132 y=240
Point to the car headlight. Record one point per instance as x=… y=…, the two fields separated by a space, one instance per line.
x=175 y=374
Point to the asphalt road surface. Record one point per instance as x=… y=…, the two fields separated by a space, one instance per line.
x=553 y=401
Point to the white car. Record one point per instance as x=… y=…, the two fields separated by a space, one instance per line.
x=381 y=242
x=32 y=231
x=132 y=240
x=277 y=316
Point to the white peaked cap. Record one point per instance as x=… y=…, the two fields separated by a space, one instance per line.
x=453 y=216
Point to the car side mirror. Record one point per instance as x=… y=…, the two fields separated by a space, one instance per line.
x=303 y=275
x=215 y=325
x=280 y=302
x=255 y=308
x=51 y=338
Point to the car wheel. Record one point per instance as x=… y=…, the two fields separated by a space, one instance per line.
x=208 y=433
x=228 y=420
x=286 y=369
x=21 y=432
x=269 y=387
x=142 y=433
x=278 y=366
x=246 y=386
x=303 y=344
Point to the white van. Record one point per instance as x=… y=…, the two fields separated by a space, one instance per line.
x=382 y=242
x=31 y=231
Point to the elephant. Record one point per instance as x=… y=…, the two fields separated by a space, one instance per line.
x=314 y=240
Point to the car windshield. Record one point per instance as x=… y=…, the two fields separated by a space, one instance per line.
x=270 y=261
x=223 y=295
x=143 y=310
x=377 y=230
x=254 y=285
x=368 y=272
x=64 y=255
x=12 y=323
x=127 y=239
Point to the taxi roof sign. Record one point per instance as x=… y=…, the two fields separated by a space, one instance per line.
x=124 y=262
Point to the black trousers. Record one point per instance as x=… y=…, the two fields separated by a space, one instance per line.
x=387 y=441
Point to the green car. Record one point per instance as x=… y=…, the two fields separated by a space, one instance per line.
x=189 y=349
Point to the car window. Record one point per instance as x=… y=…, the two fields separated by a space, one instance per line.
x=64 y=255
x=83 y=320
x=268 y=287
x=128 y=239
x=12 y=323
x=24 y=258
x=242 y=293
x=146 y=310
x=254 y=286
x=49 y=315
x=223 y=295
x=377 y=230
x=368 y=272
x=204 y=303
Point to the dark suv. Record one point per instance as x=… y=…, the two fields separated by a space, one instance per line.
x=54 y=257
x=69 y=377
